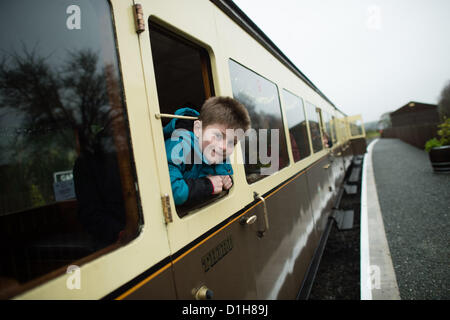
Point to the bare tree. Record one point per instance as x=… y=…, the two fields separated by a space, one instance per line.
x=46 y=113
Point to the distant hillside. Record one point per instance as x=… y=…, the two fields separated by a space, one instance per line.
x=371 y=126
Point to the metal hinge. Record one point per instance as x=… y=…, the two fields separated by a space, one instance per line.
x=167 y=210
x=139 y=18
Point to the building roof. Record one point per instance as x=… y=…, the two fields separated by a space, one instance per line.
x=414 y=106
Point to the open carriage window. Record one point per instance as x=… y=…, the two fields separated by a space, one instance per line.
x=355 y=127
x=182 y=71
x=184 y=81
x=66 y=178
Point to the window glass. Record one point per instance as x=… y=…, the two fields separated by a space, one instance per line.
x=298 y=131
x=313 y=115
x=333 y=125
x=182 y=71
x=67 y=188
x=328 y=137
x=355 y=128
x=265 y=148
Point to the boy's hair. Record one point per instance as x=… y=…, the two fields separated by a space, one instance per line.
x=226 y=111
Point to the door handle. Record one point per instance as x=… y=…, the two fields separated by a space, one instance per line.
x=248 y=221
x=203 y=293
x=261 y=233
x=326 y=166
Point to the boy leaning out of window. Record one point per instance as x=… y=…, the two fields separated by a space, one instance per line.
x=198 y=150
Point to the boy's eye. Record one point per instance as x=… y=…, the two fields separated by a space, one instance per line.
x=218 y=135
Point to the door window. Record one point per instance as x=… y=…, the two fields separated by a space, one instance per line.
x=183 y=79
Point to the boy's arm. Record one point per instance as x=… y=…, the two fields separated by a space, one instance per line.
x=200 y=190
x=188 y=191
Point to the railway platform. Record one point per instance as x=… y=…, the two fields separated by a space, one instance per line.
x=405 y=210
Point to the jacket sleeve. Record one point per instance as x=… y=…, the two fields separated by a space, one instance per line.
x=200 y=190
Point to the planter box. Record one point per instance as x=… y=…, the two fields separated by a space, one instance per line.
x=440 y=158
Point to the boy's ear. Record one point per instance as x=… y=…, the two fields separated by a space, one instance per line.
x=198 y=128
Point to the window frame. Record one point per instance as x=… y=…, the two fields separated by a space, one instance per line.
x=312 y=107
x=206 y=54
x=127 y=175
x=308 y=137
x=353 y=120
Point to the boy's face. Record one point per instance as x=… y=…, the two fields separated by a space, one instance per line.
x=217 y=143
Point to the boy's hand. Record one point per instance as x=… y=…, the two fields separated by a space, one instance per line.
x=217 y=183
x=227 y=182
x=220 y=183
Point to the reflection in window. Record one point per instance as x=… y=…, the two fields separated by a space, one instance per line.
x=265 y=151
x=314 y=126
x=298 y=130
x=65 y=172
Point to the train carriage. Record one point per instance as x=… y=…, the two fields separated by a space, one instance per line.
x=87 y=210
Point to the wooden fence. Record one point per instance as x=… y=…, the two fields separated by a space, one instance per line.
x=414 y=135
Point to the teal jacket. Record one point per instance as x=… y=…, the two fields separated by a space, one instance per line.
x=188 y=168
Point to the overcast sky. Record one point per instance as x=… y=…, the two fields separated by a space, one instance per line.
x=367 y=56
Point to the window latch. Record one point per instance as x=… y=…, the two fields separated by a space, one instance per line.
x=173 y=116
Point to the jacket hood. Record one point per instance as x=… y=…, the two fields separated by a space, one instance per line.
x=184 y=137
x=171 y=126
